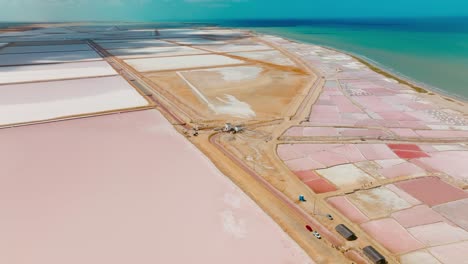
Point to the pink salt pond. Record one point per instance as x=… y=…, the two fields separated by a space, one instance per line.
x=456 y=211
x=404 y=195
x=408 y=151
x=348 y=209
x=303 y=164
x=287 y=152
x=442 y=133
x=410 y=154
x=454 y=163
x=402 y=169
x=432 y=191
x=405 y=147
x=438 y=234
x=376 y=151
x=125 y=188
x=451 y=253
x=392 y=235
x=417 y=257
x=418 y=215
x=313 y=180
x=318 y=156
x=320 y=186
x=307 y=175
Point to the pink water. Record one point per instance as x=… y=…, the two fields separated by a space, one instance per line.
x=125 y=188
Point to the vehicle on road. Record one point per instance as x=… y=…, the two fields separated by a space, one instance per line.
x=317 y=235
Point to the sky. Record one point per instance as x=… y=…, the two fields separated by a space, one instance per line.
x=191 y=10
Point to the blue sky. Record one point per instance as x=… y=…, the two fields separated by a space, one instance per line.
x=168 y=10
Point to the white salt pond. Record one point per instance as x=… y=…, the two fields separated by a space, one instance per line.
x=353 y=175
x=133 y=44
x=45 y=48
x=220 y=32
x=271 y=56
x=155 y=52
x=16 y=74
x=46 y=37
x=338 y=57
x=182 y=32
x=45 y=100
x=227 y=105
x=129 y=40
x=237 y=47
x=183 y=62
x=378 y=202
x=196 y=41
x=230 y=105
x=47 y=57
x=235 y=74
x=176 y=32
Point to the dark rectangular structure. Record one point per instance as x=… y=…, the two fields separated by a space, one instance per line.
x=374 y=255
x=345 y=232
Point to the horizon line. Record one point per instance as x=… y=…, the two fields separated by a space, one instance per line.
x=239 y=19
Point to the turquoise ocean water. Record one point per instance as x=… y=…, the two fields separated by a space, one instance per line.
x=432 y=52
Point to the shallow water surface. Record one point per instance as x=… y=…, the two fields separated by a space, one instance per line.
x=432 y=52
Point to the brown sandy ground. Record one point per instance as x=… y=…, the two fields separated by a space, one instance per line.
x=290 y=95
x=256 y=147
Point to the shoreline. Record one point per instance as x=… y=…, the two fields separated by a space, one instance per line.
x=415 y=85
x=377 y=67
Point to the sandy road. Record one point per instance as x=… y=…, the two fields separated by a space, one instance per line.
x=332 y=238
x=299 y=115
x=302 y=112
x=142 y=87
x=171 y=111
